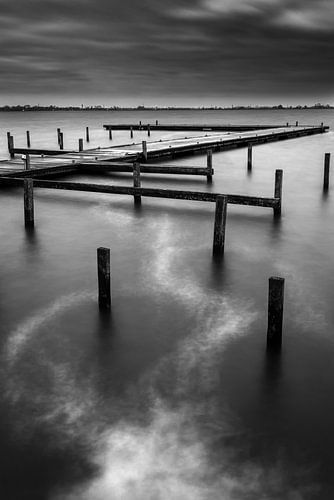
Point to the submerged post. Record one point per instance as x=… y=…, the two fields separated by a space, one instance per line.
x=136 y=182
x=103 y=274
x=278 y=192
x=156 y=123
x=131 y=132
x=219 y=228
x=28 y=202
x=87 y=134
x=297 y=123
x=326 y=171
x=28 y=139
x=58 y=136
x=249 y=157
x=144 y=145
x=8 y=141
x=275 y=312
x=110 y=134
x=11 y=146
x=149 y=130
x=61 y=140
x=80 y=145
x=209 y=165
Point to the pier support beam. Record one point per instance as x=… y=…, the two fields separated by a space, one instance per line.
x=80 y=145
x=28 y=202
x=209 y=165
x=61 y=140
x=148 y=130
x=275 y=312
x=326 y=171
x=249 y=158
x=110 y=134
x=144 y=146
x=136 y=182
x=26 y=159
x=103 y=273
x=131 y=132
x=87 y=134
x=219 y=227
x=28 y=139
x=11 y=147
x=58 y=136
x=278 y=192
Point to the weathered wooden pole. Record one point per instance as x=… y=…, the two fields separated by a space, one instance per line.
x=156 y=123
x=209 y=165
x=61 y=140
x=110 y=134
x=136 y=182
x=275 y=312
x=219 y=227
x=28 y=139
x=131 y=132
x=11 y=146
x=87 y=134
x=249 y=158
x=26 y=159
x=326 y=171
x=297 y=123
x=149 y=130
x=28 y=202
x=287 y=124
x=8 y=141
x=144 y=145
x=278 y=192
x=58 y=136
x=80 y=145
x=103 y=274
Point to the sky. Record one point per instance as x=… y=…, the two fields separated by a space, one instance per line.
x=166 y=52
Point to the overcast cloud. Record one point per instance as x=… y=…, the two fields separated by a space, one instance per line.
x=165 y=52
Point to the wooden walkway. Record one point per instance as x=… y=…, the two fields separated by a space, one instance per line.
x=58 y=162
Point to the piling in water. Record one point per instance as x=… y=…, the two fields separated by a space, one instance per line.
x=28 y=202
x=28 y=139
x=131 y=132
x=27 y=161
x=58 y=136
x=136 y=182
x=249 y=158
x=148 y=130
x=80 y=145
x=278 y=192
x=219 y=227
x=61 y=140
x=144 y=151
x=326 y=171
x=87 y=134
x=209 y=165
x=275 y=312
x=11 y=146
x=110 y=134
x=103 y=273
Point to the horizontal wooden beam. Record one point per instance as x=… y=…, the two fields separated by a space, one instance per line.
x=144 y=169
x=189 y=127
x=148 y=192
x=48 y=152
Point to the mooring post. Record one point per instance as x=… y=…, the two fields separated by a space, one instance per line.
x=136 y=181
x=80 y=145
x=156 y=122
x=287 y=124
x=131 y=132
x=148 y=130
x=61 y=140
x=103 y=274
x=8 y=141
x=249 y=158
x=220 y=223
x=26 y=159
x=28 y=139
x=326 y=170
x=278 y=192
x=275 y=312
x=11 y=146
x=144 y=145
x=87 y=134
x=110 y=134
x=58 y=136
x=297 y=123
x=209 y=165
x=28 y=202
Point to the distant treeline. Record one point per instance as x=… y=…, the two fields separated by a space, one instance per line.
x=28 y=107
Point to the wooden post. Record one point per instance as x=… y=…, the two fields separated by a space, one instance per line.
x=297 y=123
x=87 y=134
x=110 y=134
x=136 y=181
x=278 y=191
x=28 y=202
x=11 y=146
x=80 y=145
x=156 y=123
x=275 y=312
x=249 y=158
x=8 y=141
x=103 y=273
x=58 y=136
x=144 y=144
x=287 y=124
x=219 y=227
x=148 y=130
x=209 y=165
x=131 y=132
x=28 y=139
x=61 y=140
x=27 y=161
x=326 y=171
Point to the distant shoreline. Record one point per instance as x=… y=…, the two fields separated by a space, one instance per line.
x=27 y=108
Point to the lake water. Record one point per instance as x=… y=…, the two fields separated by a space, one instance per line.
x=173 y=395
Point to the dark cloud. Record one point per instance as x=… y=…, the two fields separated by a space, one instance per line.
x=152 y=51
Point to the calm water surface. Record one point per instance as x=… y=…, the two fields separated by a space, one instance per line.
x=172 y=396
